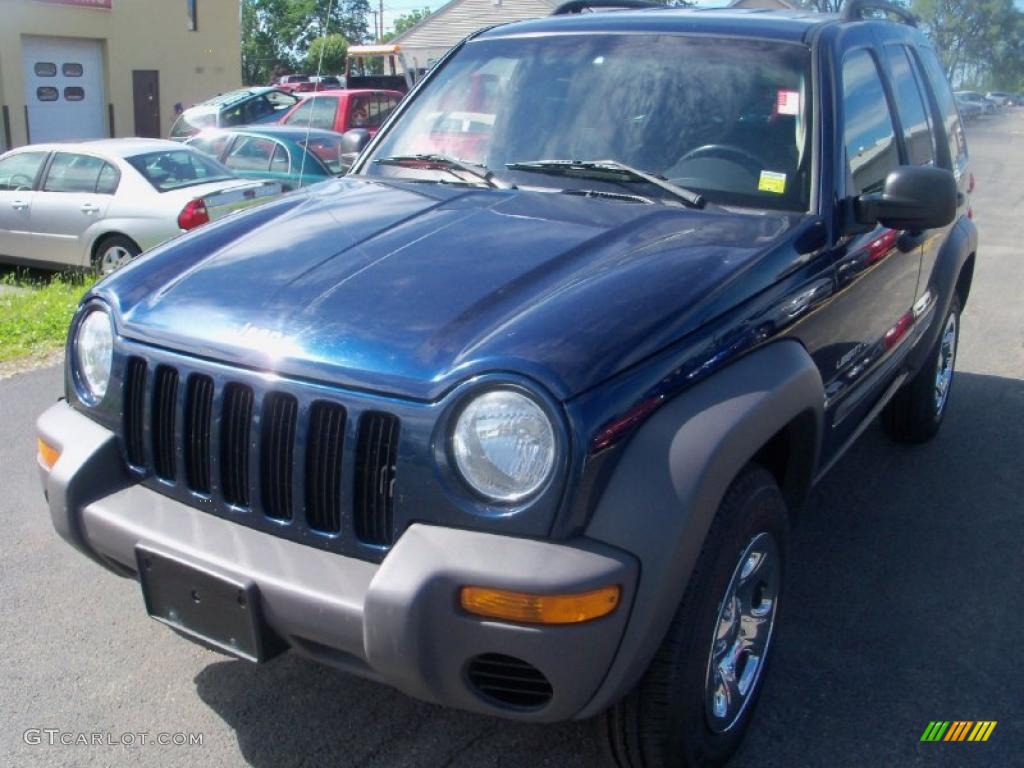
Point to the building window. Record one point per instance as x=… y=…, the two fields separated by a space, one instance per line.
x=45 y=69
x=193 y=15
x=46 y=93
x=70 y=69
x=74 y=93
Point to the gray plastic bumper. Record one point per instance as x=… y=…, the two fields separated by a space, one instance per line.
x=398 y=622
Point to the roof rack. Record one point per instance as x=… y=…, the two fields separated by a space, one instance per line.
x=853 y=10
x=579 y=6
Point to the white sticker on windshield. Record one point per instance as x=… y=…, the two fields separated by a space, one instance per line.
x=788 y=103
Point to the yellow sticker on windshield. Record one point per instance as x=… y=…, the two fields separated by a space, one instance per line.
x=772 y=182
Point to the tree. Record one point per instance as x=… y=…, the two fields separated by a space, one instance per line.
x=822 y=6
x=406 y=22
x=327 y=54
x=833 y=6
x=976 y=39
x=279 y=33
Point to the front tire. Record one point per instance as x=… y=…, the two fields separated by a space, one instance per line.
x=696 y=700
x=915 y=413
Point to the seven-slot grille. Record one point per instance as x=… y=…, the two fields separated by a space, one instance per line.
x=245 y=451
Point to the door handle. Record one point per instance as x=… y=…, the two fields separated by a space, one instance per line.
x=19 y=205
x=89 y=208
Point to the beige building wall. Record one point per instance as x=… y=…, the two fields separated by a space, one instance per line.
x=134 y=35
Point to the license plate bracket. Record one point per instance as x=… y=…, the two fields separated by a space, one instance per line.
x=210 y=608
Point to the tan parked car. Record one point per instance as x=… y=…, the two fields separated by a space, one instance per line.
x=100 y=203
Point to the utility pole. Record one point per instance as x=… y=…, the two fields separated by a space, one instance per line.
x=375 y=27
x=381 y=38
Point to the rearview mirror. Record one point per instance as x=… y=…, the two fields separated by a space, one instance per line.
x=914 y=198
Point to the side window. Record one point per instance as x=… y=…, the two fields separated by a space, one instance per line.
x=73 y=173
x=281 y=101
x=211 y=145
x=379 y=109
x=279 y=162
x=19 y=171
x=359 y=112
x=250 y=154
x=108 y=180
x=911 y=104
x=869 y=138
x=256 y=109
x=316 y=111
x=947 y=106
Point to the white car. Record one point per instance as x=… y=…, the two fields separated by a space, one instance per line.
x=97 y=204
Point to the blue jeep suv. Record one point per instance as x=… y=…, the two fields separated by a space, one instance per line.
x=516 y=416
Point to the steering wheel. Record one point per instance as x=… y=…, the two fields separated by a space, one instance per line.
x=738 y=155
x=20 y=181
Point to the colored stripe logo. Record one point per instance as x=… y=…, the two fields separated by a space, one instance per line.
x=958 y=730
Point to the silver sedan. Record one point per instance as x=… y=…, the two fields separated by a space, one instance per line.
x=97 y=204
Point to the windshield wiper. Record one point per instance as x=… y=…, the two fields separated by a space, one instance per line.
x=439 y=162
x=611 y=170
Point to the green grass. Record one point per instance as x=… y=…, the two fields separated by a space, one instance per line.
x=35 y=319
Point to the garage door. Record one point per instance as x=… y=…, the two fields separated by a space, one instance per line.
x=63 y=88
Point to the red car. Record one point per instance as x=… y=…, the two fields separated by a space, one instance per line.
x=337 y=110
x=295 y=83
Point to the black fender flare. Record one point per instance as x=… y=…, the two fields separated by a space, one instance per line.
x=666 y=489
x=959 y=246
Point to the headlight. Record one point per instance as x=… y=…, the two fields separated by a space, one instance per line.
x=94 y=353
x=504 y=445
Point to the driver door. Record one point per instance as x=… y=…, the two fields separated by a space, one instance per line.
x=19 y=173
x=876 y=268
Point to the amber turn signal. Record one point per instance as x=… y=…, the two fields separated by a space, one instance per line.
x=48 y=455
x=539 y=609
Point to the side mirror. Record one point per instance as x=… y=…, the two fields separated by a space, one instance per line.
x=914 y=198
x=354 y=141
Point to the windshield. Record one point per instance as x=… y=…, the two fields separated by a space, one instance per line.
x=176 y=169
x=192 y=122
x=724 y=117
x=327 y=149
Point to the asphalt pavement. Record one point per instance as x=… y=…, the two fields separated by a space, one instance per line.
x=904 y=601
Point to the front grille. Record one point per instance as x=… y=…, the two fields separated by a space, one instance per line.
x=277 y=450
x=134 y=410
x=236 y=419
x=375 y=477
x=165 y=401
x=280 y=456
x=509 y=681
x=324 y=440
x=198 y=409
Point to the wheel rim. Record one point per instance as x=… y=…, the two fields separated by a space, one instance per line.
x=945 y=365
x=743 y=633
x=113 y=258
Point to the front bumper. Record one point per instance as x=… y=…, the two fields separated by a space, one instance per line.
x=398 y=622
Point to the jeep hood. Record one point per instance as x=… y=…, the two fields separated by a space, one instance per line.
x=407 y=288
